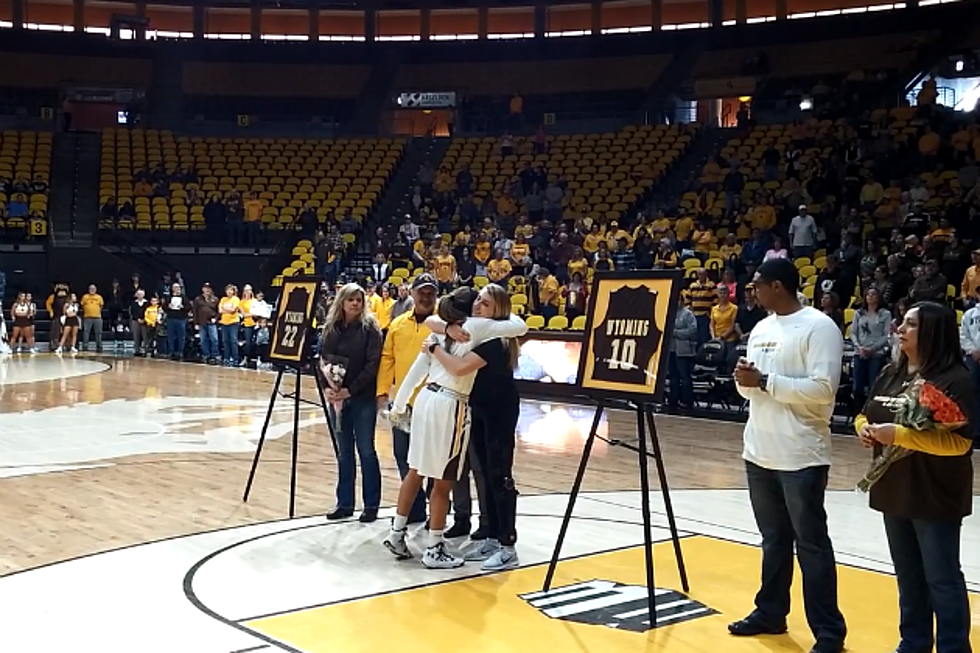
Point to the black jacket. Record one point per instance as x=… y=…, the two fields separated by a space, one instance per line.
x=358 y=348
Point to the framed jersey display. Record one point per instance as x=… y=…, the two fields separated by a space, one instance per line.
x=627 y=334
x=292 y=320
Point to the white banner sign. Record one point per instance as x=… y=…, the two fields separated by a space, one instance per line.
x=426 y=100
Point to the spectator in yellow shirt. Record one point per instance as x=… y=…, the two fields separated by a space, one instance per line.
x=229 y=318
x=91 y=306
x=578 y=264
x=929 y=143
x=660 y=226
x=253 y=219
x=506 y=205
x=971 y=280
x=499 y=269
x=520 y=255
x=703 y=240
x=383 y=314
x=731 y=249
x=445 y=265
x=592 y=239
x=722 y=324
x=763 y=215
x=547 y=294
x=683 y=228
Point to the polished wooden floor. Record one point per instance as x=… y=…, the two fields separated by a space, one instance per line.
x=47 y=517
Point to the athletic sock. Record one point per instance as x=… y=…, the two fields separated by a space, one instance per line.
x=510 y=550
x=435 y=537
x=399 y=523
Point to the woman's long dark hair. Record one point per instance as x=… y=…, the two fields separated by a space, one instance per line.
x=938 y=341
x=456 y=307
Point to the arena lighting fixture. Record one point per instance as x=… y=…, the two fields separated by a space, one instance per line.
x=959 y=66
x=745 y=98
x=806 y=104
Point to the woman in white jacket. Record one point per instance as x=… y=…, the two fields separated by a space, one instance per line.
x=440 y=424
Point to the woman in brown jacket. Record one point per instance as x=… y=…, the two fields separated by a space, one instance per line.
x=923 y=410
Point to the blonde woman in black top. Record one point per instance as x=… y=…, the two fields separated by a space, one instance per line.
x=923 y=410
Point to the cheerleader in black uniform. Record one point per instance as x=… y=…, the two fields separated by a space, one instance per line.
x=20 y=314
x=70 y=324
x=31 y=315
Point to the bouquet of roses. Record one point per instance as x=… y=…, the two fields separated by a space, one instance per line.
x=334 y=370
x=922 y=407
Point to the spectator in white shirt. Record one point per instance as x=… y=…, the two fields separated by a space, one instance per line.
x=790 y=375
x=970 y=341
x=803 y=234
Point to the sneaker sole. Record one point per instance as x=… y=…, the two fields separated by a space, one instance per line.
x=395 y=552
x=514 y=564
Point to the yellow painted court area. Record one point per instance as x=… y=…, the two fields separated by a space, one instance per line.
x=486 y=614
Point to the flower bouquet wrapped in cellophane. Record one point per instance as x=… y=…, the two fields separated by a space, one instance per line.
x=334 y=369
x=922 y=407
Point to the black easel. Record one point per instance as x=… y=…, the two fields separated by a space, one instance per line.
x=297 y=399
x=644 y=423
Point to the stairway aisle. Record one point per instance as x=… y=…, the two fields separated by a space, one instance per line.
x=668 y=193
x=673 y=77
x=62 y=187
x=85 y=207
x=397 y=198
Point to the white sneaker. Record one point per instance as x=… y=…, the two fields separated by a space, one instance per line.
x=395 y=542
x=74 y=350
x=437 y=557
x=33 y=350
x=58 y=350
x=485 y=549
x=504 y=558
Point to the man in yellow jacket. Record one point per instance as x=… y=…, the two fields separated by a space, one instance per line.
x=401 y=347
x=91 y=305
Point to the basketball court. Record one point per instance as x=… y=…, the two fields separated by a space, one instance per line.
x=122 y=529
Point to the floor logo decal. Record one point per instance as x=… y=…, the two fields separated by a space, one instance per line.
x=615 y=605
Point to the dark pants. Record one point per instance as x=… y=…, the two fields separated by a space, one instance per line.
x=493 y=436
x=357 y=422
x=399 y=441
x=704 y=328
x=926 y=555
x=864 y=371
x=176 y=336
x=789 y=508
x=462 y=493
x=681 y=370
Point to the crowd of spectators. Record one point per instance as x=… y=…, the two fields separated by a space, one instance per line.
x=22 y=202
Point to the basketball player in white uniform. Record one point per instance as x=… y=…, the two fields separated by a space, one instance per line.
x=440 y=425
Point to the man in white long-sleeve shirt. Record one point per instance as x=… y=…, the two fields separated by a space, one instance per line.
x=790 y=376
x=970 y=341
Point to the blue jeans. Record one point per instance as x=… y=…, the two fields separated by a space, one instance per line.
x=357 y=421
x=229 y=342
x=399 y=441
x=681 y=369
x=209 y=341
x=864 y=371
x=789 y=508
x=248 y=335
x=176 y=336
x=926 y=555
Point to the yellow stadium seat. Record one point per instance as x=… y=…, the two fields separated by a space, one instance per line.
x=535 y=322
x=578 y=324
x=557 y=323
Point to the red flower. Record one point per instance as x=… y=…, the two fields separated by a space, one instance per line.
x=944 y=410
